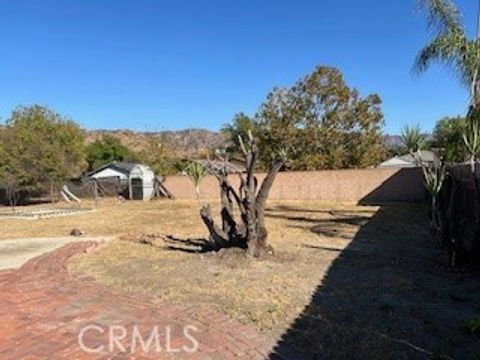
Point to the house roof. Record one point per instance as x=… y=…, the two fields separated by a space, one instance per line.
x=397 y=162
x=427 y=156
x=124 y=167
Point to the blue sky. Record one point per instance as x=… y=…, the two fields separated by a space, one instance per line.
x=157 y=65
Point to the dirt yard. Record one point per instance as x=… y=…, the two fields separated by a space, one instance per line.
x=346 y=282
x=110 y=218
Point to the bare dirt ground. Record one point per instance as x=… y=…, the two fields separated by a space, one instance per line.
x=347 y=282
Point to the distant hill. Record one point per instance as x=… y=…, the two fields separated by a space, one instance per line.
x=187 y=142
x=393 y=141
x=184 y=142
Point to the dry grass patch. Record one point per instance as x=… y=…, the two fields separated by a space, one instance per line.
x=110 y=218
x=346 y=281
x=269 y=293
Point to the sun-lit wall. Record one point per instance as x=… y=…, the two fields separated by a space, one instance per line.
x=364 y=186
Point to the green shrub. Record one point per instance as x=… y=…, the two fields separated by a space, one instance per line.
x=472 y=326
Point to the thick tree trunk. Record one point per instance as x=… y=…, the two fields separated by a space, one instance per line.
x=258 y=248
x=229 y=226
x=218 y=237
x=250 y=232
x=262 y=196
x=249 y=201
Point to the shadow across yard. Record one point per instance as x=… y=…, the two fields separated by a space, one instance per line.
x=193 y=246
x=331 y=224
x=387 y=295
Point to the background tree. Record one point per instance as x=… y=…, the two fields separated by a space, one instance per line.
x=448 y=136
x=106 y=150
x=396 y=150
x=320 y=122
x=41 y=147
x=8 y=178
x=238 y=128
x=160 y=158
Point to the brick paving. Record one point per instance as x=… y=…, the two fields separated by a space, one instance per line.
x=43 y=311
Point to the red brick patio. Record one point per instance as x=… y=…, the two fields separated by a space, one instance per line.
x=43 y=310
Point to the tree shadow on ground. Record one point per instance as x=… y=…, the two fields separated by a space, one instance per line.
x=193 y=246
x=349 y=220
x=291 y=209
x=330 y=225
x=388 y=295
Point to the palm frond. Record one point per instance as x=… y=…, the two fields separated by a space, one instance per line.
x=449 y=49
x=442 y=16
x=450 y=45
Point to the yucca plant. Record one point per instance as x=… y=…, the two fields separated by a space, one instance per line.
x=433 y=178
x=414 y=141
x=471 y=138
x=196 y=172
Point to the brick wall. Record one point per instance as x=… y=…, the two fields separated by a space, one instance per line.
x=363 y=186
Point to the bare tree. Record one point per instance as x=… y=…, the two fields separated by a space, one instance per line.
x=249 y=230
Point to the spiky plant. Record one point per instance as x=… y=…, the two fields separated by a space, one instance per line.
x=471 y=138
x=433 y=178
x=196 y=172
x=414 y=141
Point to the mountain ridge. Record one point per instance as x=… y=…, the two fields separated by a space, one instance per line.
x=185 y=142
